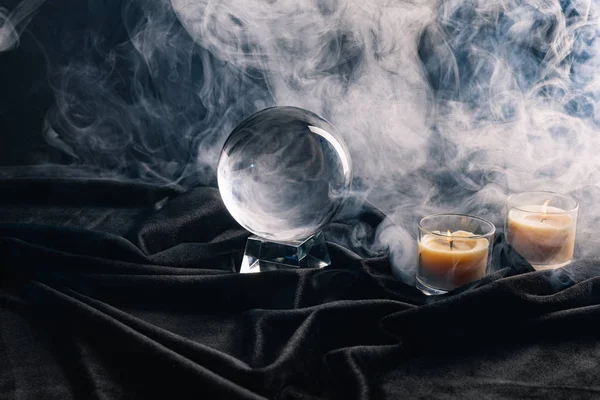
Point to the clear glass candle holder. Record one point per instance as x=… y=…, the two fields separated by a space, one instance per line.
x=453 y=250
x=541 y=227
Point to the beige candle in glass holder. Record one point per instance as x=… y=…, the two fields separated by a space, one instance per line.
x=453 y=250
x=541 y=227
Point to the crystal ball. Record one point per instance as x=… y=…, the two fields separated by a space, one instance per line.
x=284 y=173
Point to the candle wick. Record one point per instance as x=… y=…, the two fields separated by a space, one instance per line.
x=451 y=244
x=543 y=219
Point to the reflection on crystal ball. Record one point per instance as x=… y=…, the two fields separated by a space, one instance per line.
x=284 y=173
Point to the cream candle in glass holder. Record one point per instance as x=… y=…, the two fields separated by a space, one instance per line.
x=453 y=250
x=541 y=227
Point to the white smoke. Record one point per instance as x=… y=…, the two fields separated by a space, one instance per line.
x=445 y=106
x=13 y=23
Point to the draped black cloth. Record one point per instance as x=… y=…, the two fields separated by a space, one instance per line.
x=128 y=291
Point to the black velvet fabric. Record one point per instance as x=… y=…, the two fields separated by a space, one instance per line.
x=106 y=299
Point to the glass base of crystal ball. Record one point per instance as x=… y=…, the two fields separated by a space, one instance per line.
x=262 y=255
x=284 y=173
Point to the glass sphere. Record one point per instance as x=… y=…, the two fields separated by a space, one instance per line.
x=284 y=173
